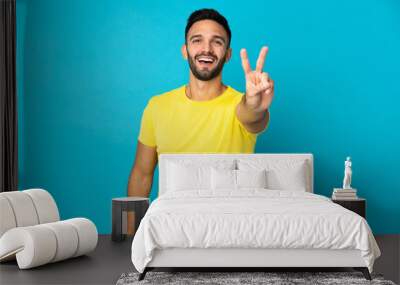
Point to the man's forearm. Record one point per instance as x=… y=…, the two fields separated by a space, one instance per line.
x=248 y=115
x=140 y=184
x=254 y=121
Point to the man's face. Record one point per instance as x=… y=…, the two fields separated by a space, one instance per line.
x=206 y=49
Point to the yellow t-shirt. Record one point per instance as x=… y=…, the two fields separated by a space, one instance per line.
x=176 y=124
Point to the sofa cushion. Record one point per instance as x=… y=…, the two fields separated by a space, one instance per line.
x=40 y=244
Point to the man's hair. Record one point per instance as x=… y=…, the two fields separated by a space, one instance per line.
x=208 y=14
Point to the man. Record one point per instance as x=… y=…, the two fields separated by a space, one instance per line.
x=204 y=116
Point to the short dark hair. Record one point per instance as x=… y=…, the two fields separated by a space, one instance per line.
x=208 y=14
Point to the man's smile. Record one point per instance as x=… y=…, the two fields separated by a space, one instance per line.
x=205 y=61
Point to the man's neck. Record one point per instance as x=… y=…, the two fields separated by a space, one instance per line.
x=198 y=90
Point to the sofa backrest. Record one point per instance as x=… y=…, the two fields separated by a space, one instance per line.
x=26 y=208
x=238 y=159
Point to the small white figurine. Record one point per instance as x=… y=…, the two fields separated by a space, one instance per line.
x=347 y=173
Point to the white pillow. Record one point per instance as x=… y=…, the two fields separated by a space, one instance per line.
x=289 y=179
x=236 y=179
x=223 y=179
x=251 y=178
x=282 y=174
x=186 y=175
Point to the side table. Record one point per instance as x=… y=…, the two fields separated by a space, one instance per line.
x=358 y=205
x=120 y=207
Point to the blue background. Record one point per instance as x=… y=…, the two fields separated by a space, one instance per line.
x=86 y=69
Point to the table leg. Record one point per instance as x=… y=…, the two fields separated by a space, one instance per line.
x=117 y=223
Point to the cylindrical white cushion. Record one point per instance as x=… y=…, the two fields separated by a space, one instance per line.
x=23 y=208
x=67 y=240
x=34 y=245
x=41 y=244
x=46 y=207
x=7 y=218
x=87 y=233
x=26 y=208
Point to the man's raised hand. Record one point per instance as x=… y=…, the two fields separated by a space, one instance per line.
x=259 y=86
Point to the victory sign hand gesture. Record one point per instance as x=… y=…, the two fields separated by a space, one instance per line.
x=259 y=86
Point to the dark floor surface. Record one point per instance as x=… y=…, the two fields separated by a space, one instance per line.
x=111 y=259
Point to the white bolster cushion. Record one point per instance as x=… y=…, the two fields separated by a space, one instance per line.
x=87 y=234
x=46 y=207
x=26 y=208
x=33 y=246
x=23 y=208
x=67 y=240
x=7 y=218
x=40 y=244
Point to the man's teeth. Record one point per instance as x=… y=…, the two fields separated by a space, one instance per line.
x=206 y=59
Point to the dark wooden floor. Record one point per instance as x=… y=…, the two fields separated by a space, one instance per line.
x=110 y=260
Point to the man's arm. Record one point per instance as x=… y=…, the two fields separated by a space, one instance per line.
x=254 y=122
x=141 y=177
